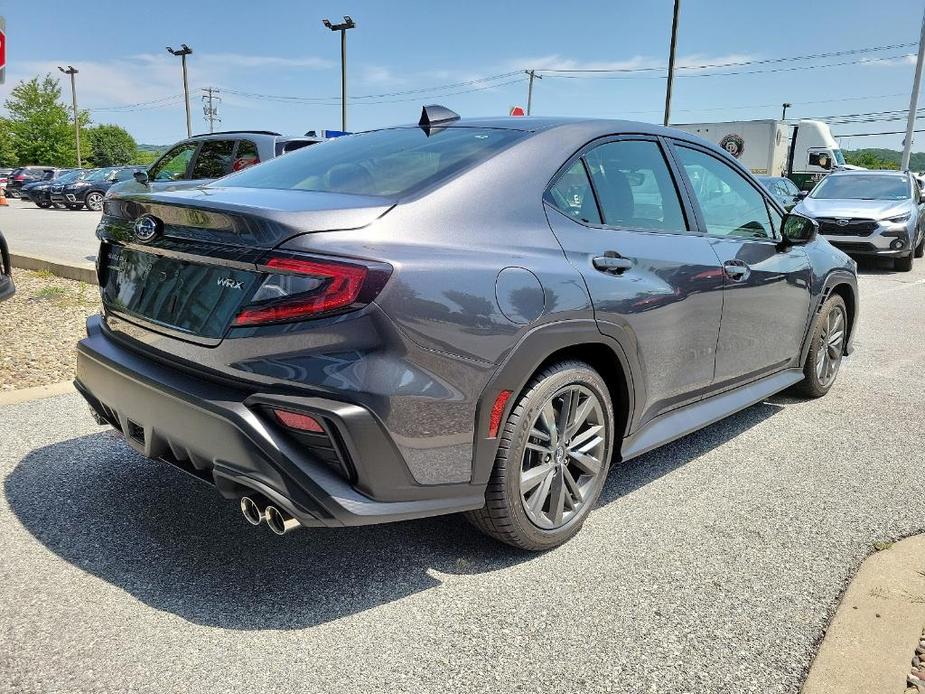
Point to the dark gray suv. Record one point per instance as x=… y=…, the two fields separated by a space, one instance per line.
x=466 y=315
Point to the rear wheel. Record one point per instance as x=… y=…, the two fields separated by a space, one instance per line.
x=903 y=264
x=552 y=460
x=74 y=205
x=826 y=348
x=43 y=205
x=94 y=201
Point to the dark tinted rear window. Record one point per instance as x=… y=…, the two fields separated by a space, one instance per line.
x=388 y=163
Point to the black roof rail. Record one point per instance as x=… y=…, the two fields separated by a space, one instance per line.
x=238 y=132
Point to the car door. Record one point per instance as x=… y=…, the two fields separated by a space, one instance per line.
x=656 y=288
x=767 y=284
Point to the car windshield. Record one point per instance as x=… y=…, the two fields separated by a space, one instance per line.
x=70 y=176
x=98 y=174
x=389 y=163
x=862 y=187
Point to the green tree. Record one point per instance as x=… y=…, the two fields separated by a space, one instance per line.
x=8 y=156
x=41 y=129
x=110 y=145
x=145 y=157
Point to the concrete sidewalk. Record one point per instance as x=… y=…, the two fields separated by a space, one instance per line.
x=869 y=645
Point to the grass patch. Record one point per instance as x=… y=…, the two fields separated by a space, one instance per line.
x=51 y=293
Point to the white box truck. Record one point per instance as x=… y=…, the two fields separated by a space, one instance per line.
x=804 y=151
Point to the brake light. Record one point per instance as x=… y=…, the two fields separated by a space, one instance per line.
x=297 y=289
x=19 y=177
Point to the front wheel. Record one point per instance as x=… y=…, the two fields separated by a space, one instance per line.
x=826 y=348
x=553 y=457
x=94 y=201
x=43 y=205
x=920 y=249
x=903 y=264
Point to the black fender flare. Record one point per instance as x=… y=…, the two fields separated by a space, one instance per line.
x=520 y=364
x=832 y=279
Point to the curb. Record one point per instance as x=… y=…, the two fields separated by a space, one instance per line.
x=68 y=271
x=869 y=645
x=12 y=397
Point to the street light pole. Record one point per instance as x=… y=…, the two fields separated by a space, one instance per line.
x=183 y=52
x=914 y=100
x=674 y=45
x=71 y=70
x=348 y=23
x=533 y=76
x=783 y=115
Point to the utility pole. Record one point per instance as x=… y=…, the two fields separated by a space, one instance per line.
x=183 y=52
x=914 y=100
x=210 y=102
x=533 y=76
x=674 y=45
x=71 y=70
x=348 y=23
x=783 y=114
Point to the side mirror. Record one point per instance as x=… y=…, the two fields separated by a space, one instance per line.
x=802 y=194
x=798 y=230
x=141 y=177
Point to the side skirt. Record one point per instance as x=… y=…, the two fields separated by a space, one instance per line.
x=674 y=425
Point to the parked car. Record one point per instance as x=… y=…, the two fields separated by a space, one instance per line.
x=203 y=158
x=467 y=315
x=23 y=175
x=5 y=177
x=90 y=190
x=39 y=192
x=870 y=213
x=783 y=189
x=7 y=288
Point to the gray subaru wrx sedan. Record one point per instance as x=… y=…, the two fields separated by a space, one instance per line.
x=464 y=315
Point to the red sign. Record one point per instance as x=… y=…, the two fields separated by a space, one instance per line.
x=518 y=111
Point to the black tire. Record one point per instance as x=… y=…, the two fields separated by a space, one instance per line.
x=920 y=249
x=503 y=517
x=94 y=201
x=74 y=205
x=903 y=264
x=43 y=205
x=813 y=384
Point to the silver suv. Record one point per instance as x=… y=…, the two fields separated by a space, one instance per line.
x=872 y=213
x=204 y=158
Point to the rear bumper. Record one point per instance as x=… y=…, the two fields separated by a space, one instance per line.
x=220 y=434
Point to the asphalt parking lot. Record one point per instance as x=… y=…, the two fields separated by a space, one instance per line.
x=712 y=565
x=55 y=234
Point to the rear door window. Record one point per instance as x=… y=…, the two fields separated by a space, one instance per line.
x=634 y=186
x=214 y=160
x=175 y=163
x=572 y=195
x=246 y=155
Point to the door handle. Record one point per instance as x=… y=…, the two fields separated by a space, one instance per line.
x=736 y=270
x=612 y=263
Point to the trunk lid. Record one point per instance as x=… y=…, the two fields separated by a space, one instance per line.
x=190 y=279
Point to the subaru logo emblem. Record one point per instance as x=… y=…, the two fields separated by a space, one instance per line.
x=842 y=222
x=146 y=228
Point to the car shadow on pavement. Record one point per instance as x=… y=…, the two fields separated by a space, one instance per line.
x=176 y=545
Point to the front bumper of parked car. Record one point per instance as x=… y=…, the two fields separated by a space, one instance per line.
x=870 y=237
x=225 y=434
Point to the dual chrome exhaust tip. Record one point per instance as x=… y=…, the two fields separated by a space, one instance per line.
x=256 y=513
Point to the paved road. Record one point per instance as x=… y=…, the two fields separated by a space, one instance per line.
x=61 y=235
x=712 y=565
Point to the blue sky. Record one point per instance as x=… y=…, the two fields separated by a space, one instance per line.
x=280 y=48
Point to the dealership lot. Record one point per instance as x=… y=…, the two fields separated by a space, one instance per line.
x=711 y=565
x=61 y=235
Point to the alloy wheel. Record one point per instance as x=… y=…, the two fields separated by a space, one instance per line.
x=563 y=457
x=831 y=347
x=95 y=202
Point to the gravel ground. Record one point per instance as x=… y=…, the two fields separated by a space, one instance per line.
x=39 y=326
x=712 y=565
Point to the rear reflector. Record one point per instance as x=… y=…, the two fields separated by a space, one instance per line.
x=297 y=289
x=296 y=420
x=494 y=423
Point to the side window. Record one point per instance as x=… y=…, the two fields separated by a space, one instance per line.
x=245 y=156
x=174 y=164
x=572 y=195
x=731 y=206
x=634 y=186
x=214 y=160
x=791 y=186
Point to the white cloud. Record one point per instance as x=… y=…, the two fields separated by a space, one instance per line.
x=638 y=62
x=901 y=61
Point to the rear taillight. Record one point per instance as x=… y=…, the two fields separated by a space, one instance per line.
x=303 y=288
x=19 y=177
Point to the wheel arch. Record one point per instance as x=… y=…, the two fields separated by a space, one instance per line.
x=542 y=346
